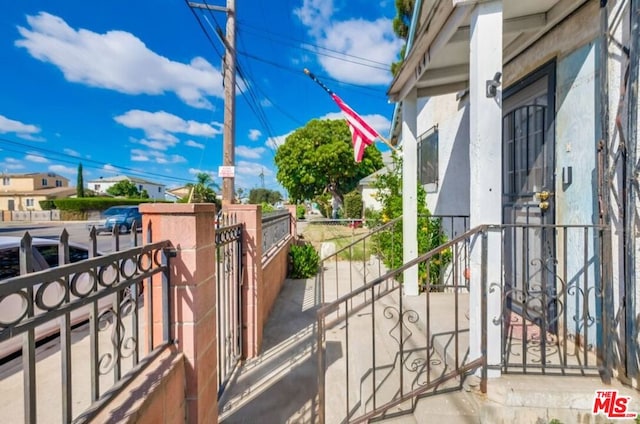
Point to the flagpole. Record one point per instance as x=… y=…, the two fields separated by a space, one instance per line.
x=331 y=93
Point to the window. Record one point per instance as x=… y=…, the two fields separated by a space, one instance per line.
x=29 y=203
x=96 y=187
x=9 y=263
x=58 y=183
x=6 y=181
x=428 y=159
x=45 y=181
x=159 y=189
x=140 y=187
x=51 y=256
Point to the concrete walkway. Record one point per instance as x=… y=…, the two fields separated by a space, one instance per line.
x=280 y=385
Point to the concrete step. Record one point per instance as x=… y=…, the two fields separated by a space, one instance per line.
x=539 y=399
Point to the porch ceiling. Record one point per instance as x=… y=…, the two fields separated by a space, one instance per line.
x=438 y=62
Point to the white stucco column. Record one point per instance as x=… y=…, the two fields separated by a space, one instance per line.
x=485 y=160
x=410 y=191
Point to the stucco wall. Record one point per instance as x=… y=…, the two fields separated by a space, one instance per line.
x=157 y=395
x=452 y=194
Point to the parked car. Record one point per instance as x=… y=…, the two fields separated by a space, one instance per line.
x=45 y=256
x=122 y=217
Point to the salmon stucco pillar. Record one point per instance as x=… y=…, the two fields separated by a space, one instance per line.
x=252 y=282
x=190 y=228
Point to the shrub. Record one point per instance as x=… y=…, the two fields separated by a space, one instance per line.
x=93 y=203
x=304 y=261
x=47 y=205
x=429 y=229
x=300 y=211
x=353 y=205
x=267 y=207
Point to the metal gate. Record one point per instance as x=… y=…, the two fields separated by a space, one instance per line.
x=528 y=199
x=229 y=268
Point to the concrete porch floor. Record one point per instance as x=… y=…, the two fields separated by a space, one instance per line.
x=280 y=386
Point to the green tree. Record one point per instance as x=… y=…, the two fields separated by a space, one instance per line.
x=204 y=190
x=124 y=188
x=80 y=182
x=264 y=195
x=401 y=26
x=318 y=158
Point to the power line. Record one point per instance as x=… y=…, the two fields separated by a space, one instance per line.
x=287 y=40
x=55 y=155
x=250 y=97
x=359 y=88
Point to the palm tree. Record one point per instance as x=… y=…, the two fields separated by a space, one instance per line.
x=204 y=190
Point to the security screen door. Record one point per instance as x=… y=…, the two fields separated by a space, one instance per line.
x=528 y=198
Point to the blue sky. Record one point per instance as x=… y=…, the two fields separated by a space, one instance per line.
x=136 y=87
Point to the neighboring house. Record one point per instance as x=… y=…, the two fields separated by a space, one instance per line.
x=178 y=193
x=101 y=185
x=366 y=185
x=516 y=113
x=23 y=192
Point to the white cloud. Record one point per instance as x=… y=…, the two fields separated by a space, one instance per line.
x=374 y=41
x=159 y=144
x=11 y=164
x=22 y=130
x=378 y=122
x=196 y=171
x=250 y=152
x=369 y=46
x=71 y=152
x=117 y=60
x=315 y=14
x=35 y=157
x=108 y=168
x=254 y=169
x=254 y=134
x=160 y=127
x=138 y=155
x=195 y=144
x=64 y=170
x=274 y=142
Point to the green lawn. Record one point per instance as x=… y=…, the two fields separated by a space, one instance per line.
x=342 y=236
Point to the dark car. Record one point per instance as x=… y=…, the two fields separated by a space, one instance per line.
x=122 y=217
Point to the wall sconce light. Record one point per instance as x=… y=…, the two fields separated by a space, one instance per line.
x=493 y=84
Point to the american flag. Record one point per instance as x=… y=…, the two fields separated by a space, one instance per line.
x=362 y=134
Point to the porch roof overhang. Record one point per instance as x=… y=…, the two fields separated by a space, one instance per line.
x=438 y=62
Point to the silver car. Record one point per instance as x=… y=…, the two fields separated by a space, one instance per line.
x=45 y=256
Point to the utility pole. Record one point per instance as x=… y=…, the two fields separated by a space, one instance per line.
x=229 y=72
x=262 y=177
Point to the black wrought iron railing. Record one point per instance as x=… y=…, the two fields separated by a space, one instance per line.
x=92 y=315
x=542 y=304
x=552 y=299
x=276 y=227
x=379 y=350
x=355 y=262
